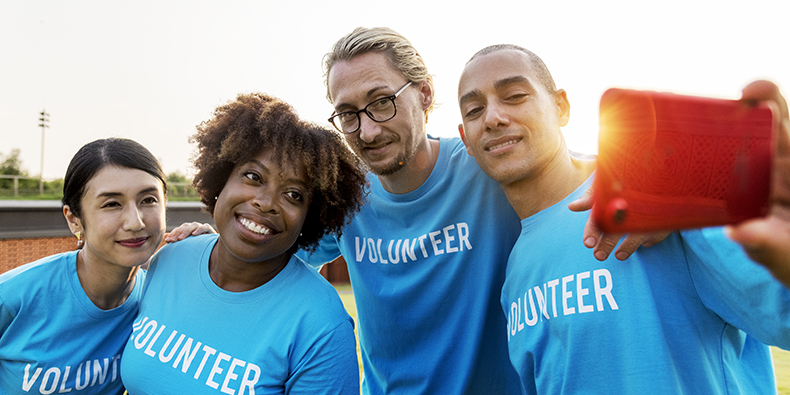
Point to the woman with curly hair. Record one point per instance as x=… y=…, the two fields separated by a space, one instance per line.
x=238 y=312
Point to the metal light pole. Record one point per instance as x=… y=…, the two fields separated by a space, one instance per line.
x=43 y=123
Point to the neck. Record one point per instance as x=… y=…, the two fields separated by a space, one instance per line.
x=235 y=275
x=416 y=171
x=107 y=286
x=550 y=184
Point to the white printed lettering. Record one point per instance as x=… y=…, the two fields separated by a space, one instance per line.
x=566 y=295
x=207 y=351
x=409 y=252
x=422 y=245
x=81 y=386
x=63 y=388
x=534 y=320
x=360 y=251
x=231 y=376
x=449 y=238
x=166 y=358
x=372 y=251
x=139 y=344
x=99 y=374
x=378 y=251
x=553 y=285
x=27 y=382
x=463 y=236
x=216 y=369
x=148 y=350
x=249 y=382
x=186 y=355
x=396 y=259
x=581 y=291
x=435 y=242
x=603 y=291
x=542 y=303
x=513 y=316
x=50 y=372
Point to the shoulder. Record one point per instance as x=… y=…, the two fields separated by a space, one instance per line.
x=37 y=280
x=40 y=270
x=185 y=248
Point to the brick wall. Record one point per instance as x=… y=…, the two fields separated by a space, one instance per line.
x=16 y=252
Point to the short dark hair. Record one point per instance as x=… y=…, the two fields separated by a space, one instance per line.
x=542 y=72
x=240 y=129
x=98 y=154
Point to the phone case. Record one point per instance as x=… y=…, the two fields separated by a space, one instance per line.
x=669 y=161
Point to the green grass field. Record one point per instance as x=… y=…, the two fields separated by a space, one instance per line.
x=781 y=357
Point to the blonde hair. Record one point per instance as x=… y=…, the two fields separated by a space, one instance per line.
x=401 y=54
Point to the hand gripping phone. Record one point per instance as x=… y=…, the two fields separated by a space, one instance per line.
x=669 y=161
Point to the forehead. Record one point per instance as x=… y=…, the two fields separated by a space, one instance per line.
x=485 y=71
x=120 y=180
x=287 y=168
x=362 y=77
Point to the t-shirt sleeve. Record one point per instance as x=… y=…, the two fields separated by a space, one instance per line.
x=327 y=251
x=741 y=292
x=330 y=366
x=6 y=316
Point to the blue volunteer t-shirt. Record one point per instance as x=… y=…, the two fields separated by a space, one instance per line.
x=688 y=315
x=53 y=339
x=427 y=269
x=290 y=335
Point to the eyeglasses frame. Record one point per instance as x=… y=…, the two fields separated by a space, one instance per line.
x=365 y=110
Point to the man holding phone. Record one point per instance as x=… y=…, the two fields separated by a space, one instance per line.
x=690 y=315
x=767 y=240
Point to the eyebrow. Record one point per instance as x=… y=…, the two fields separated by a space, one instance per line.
x=518 y=79
x=267 y=171
x=368 y=94
x=118 y=194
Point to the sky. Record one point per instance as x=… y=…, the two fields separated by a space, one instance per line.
x=153 y=70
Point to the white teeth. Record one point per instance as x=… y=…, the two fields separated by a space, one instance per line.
x=252 y=226
x=505 y=144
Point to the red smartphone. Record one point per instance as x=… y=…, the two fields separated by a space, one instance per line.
x=669 y=161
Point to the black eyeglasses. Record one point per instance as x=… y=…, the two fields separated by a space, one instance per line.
x=379 y=110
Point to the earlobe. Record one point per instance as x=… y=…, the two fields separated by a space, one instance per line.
x=427 y=95
x=75 y=225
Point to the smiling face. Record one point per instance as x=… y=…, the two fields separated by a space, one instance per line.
x=123 y=216
x=385 y=147
x=511 y=123
x=260 y=211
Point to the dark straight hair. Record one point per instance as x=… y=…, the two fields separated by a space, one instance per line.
x=98 y=154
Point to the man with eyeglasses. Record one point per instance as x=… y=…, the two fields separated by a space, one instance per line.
x=427 y=253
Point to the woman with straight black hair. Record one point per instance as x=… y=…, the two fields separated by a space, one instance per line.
x=64 y=319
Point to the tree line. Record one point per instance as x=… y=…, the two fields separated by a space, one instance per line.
x=179 y=187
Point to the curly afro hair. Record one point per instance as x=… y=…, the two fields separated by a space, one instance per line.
x=240 y=129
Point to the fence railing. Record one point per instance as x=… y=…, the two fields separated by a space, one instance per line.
x=16 y=181
x=180 y=189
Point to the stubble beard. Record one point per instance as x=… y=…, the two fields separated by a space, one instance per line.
x=391 y=167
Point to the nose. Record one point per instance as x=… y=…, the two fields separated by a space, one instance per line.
x=266 y=200
x=495 y=116
x=368 y=128
x=133 y=219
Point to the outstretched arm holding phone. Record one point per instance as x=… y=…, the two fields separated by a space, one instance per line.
x=767 y=240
